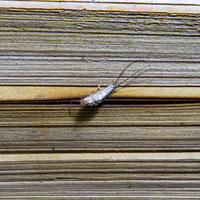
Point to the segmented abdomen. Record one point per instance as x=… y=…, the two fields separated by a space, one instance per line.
x=106 y=91
x=99 y=96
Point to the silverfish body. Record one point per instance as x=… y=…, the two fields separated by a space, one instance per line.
x=98 y=97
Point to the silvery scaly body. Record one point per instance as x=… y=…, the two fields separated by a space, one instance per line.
x=98 y=97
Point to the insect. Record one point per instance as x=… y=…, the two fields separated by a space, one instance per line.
x=99 y=96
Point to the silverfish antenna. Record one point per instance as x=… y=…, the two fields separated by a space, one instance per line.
x=138 y=71
x=122 y=73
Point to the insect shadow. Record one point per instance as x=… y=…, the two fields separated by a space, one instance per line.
x=85 y=114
